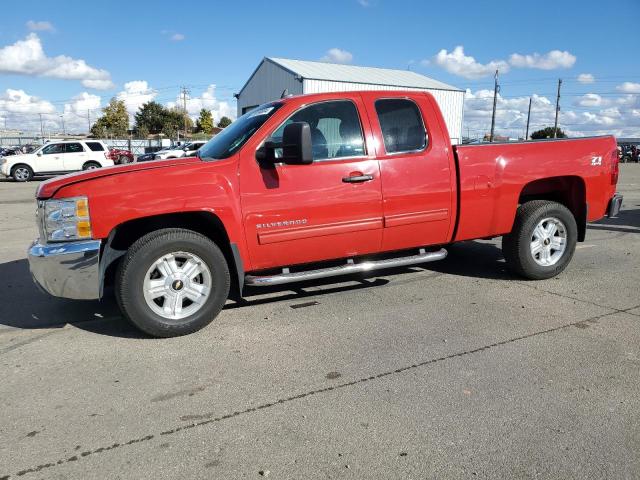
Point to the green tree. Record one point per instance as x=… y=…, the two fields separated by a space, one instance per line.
x=205 y=122
x=151 y=117
x=224 y=122
x=547 y=133
x=114 y=121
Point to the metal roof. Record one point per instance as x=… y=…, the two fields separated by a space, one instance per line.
x=355 y=74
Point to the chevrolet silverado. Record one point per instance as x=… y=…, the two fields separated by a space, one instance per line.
x=309 y=187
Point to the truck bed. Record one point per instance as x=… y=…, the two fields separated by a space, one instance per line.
x=493 y=178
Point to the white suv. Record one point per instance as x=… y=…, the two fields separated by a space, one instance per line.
x=56 y=158
x=188 y=150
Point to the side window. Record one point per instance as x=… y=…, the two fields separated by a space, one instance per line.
x=95 y=146
x=401 y=124
x=53 y=149
x=335 y=129
x=73 y=148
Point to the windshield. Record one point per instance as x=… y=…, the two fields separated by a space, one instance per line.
x=229 y=140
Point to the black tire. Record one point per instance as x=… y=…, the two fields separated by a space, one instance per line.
x=131 y=274
x=91 y=166
x=22 y=173
x=516 y=246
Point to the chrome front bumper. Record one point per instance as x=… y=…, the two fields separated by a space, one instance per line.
x=68 y=270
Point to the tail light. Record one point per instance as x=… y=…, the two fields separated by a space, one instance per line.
x=615 y=167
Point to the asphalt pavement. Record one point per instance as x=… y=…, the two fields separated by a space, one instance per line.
x=454 y=370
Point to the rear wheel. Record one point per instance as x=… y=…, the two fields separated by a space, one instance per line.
x=122 y=159
x=172 y=282
x=22 y=173
x=542 y=241
x=91 y=166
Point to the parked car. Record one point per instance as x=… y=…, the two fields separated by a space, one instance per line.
x=120 y=156
x=366 y=180
x=187 y=150
x=56 y=158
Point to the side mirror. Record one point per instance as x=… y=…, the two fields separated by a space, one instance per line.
x=39 y=154
x=296 y=144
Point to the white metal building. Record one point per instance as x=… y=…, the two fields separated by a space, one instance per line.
x=274 y=75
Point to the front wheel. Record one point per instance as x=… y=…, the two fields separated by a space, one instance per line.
x=172 y=282
x=22 y=173
x=542 y=241
x=122 y=159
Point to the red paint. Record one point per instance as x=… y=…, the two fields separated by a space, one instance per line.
x=293 y=214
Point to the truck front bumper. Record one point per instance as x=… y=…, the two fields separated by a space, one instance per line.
x=614 y=206
x=68 y=270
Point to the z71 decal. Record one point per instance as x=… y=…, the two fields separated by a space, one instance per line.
x=595 y=161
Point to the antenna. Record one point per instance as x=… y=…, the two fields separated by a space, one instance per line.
x=285 y=93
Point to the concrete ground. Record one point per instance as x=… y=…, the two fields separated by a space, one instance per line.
x=455 y=370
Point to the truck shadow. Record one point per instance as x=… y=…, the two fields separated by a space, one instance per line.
x=474 y=259
x=627 y=221
x=24 y=306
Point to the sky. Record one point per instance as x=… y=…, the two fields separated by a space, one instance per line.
x=66 y=60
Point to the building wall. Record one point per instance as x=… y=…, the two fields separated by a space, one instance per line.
x=266 y=85
x=451 y=103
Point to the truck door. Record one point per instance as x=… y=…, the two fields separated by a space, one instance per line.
x=329 y=209
x=74 y=156
x=417 y=184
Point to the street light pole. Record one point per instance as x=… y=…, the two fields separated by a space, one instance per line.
x=496 y=89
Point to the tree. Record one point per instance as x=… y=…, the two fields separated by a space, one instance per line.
x=114 y=121
x=150 y=117
x=224 y=122
x=547 y=133
x=205 y=122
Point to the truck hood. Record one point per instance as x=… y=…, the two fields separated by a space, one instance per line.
x=49 y=188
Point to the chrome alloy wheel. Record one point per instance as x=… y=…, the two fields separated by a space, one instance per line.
x=548 y=242
x=21 y=174
x=177 y=285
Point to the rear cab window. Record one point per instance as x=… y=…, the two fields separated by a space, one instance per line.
x=402 y=126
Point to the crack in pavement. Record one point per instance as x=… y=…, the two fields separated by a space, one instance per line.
x=27 y=341
x=211 y=419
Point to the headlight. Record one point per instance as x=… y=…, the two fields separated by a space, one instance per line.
x=65 y=219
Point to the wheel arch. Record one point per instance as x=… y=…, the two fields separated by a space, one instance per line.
x=206 y=223
x=569 y=191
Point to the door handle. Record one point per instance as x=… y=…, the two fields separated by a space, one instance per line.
x=357 y=179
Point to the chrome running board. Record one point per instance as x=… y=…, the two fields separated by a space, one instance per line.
x=289 y=277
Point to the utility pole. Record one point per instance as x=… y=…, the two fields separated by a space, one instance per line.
x=555 y=126
x=89 y=121
x=185 y=91
x=496 y=89
x=41 y=128
x=64 y=130
x=526 y=135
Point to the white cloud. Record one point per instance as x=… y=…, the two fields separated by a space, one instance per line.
x=457 y=63
x=75 y=112
x=364 y=3
x=597 y=115
x=27 y=57
x=629 y=87
x=41 y=26
x=136 y=93
x=177 y=37
x=591 y=100
x=21 y=111
x=549 y=61
x=336 y=55
x=586 y=78
x=209 y=101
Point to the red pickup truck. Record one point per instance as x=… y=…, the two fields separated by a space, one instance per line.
x=309 y=187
